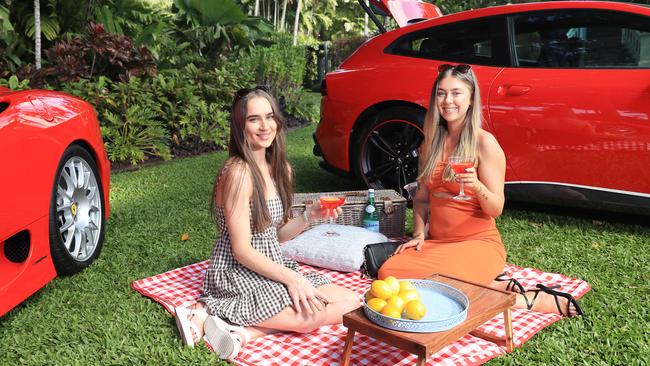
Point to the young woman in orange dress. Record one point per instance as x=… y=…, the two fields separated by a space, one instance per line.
x=462 y=240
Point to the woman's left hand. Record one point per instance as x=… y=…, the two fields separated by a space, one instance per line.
x=319 y=213
x=469 y=179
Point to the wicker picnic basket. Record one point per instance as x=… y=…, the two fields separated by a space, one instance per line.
x=390 y=204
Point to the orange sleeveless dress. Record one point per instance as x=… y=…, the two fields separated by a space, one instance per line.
x=463 y=241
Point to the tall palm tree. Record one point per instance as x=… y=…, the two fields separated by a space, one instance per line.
x=284 y=13
x=296 y=23
x=37 y=33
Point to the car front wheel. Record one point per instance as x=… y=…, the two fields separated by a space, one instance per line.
x=387 y=149
x=76 y=212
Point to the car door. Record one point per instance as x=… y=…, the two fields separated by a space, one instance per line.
x=574 y=111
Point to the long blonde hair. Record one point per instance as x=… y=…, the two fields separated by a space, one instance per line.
x=435 y=127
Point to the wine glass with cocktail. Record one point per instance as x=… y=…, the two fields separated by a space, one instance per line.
x=458 y=165
x=331 y=203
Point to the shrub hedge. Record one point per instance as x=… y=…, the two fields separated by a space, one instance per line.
x=180 y=111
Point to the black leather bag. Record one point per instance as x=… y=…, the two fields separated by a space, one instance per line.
x=375 y=255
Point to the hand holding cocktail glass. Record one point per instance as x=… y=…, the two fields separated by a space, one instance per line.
x=330 y=207
x=463 y=168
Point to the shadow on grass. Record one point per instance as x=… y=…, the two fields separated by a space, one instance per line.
x=515 y=207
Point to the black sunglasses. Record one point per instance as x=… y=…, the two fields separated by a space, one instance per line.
x=245 y=91
x=460 y=68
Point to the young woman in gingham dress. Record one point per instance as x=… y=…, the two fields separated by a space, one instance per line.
x=250 y=288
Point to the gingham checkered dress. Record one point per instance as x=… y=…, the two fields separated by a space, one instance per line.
x=239 y=295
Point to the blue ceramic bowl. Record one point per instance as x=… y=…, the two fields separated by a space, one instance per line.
x=446 y=307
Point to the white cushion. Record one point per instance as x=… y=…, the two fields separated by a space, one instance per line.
x=343 y=253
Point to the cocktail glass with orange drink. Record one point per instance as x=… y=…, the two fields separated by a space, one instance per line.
x=458 y=165
x=331 y=203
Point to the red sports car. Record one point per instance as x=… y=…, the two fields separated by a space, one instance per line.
x=565 y=89
x=53 y=190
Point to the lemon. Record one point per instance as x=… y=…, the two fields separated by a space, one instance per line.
x=415 y=310
x=393 y=283
x=405 y=285
x=368 y=296
x=381 y=289
x=391 y=311
x=396 y=302
x=409 y=295
x=376 y=304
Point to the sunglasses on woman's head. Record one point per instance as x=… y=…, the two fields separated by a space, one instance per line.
x=460 y=68
x=245 y=91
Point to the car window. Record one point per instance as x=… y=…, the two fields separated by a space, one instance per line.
x=581 y=39
x=473 y=42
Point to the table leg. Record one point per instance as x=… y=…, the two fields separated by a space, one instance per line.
x=507 y=319
x=422 y=360
x=347 y=350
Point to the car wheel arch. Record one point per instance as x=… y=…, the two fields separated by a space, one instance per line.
x=373 y=112
x=371 y=162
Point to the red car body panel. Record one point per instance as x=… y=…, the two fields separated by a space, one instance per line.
x=406 y=11
x=605 y=120
x=592 y=118
x=35 y=129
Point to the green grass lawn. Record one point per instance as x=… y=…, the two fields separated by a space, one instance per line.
x=96 y=318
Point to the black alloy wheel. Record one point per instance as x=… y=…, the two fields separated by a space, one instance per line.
x=387 y=149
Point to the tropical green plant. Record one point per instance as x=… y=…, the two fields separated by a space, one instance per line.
x=134 y=135
x=341 y=48
x=281 y=66
x=205 y=121
x=213 y=26
x=95 y=53
x=14 y=83
x=299 y=105
x=12 y=46
x=138 y=19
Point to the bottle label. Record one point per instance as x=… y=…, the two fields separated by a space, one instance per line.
x=372 y=225
x=370 y=209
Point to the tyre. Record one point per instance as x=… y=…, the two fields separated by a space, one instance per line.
x=386 y=153
x=76 y=212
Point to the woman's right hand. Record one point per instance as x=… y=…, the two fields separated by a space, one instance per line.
x=305 y=295
x=416 y=242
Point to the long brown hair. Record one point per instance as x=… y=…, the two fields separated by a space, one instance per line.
x=435 y=127
x=239 y=152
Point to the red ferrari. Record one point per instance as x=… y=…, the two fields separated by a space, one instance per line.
x=565 y=89
x=53 y=191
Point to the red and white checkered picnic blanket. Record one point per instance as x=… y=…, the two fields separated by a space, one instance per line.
x=182 y=286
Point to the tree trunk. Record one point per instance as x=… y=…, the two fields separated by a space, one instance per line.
x=275 y=13
x=296 y=23
x=365 y=21
x=37 y=34
x=284 y=13
x=257 y=8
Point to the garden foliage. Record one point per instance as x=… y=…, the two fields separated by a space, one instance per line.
x=173 y=101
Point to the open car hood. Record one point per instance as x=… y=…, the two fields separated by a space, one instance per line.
x=405 y=12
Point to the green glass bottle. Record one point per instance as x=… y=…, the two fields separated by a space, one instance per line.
x=371 y=216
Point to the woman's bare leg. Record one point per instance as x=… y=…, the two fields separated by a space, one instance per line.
x=343 y=301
